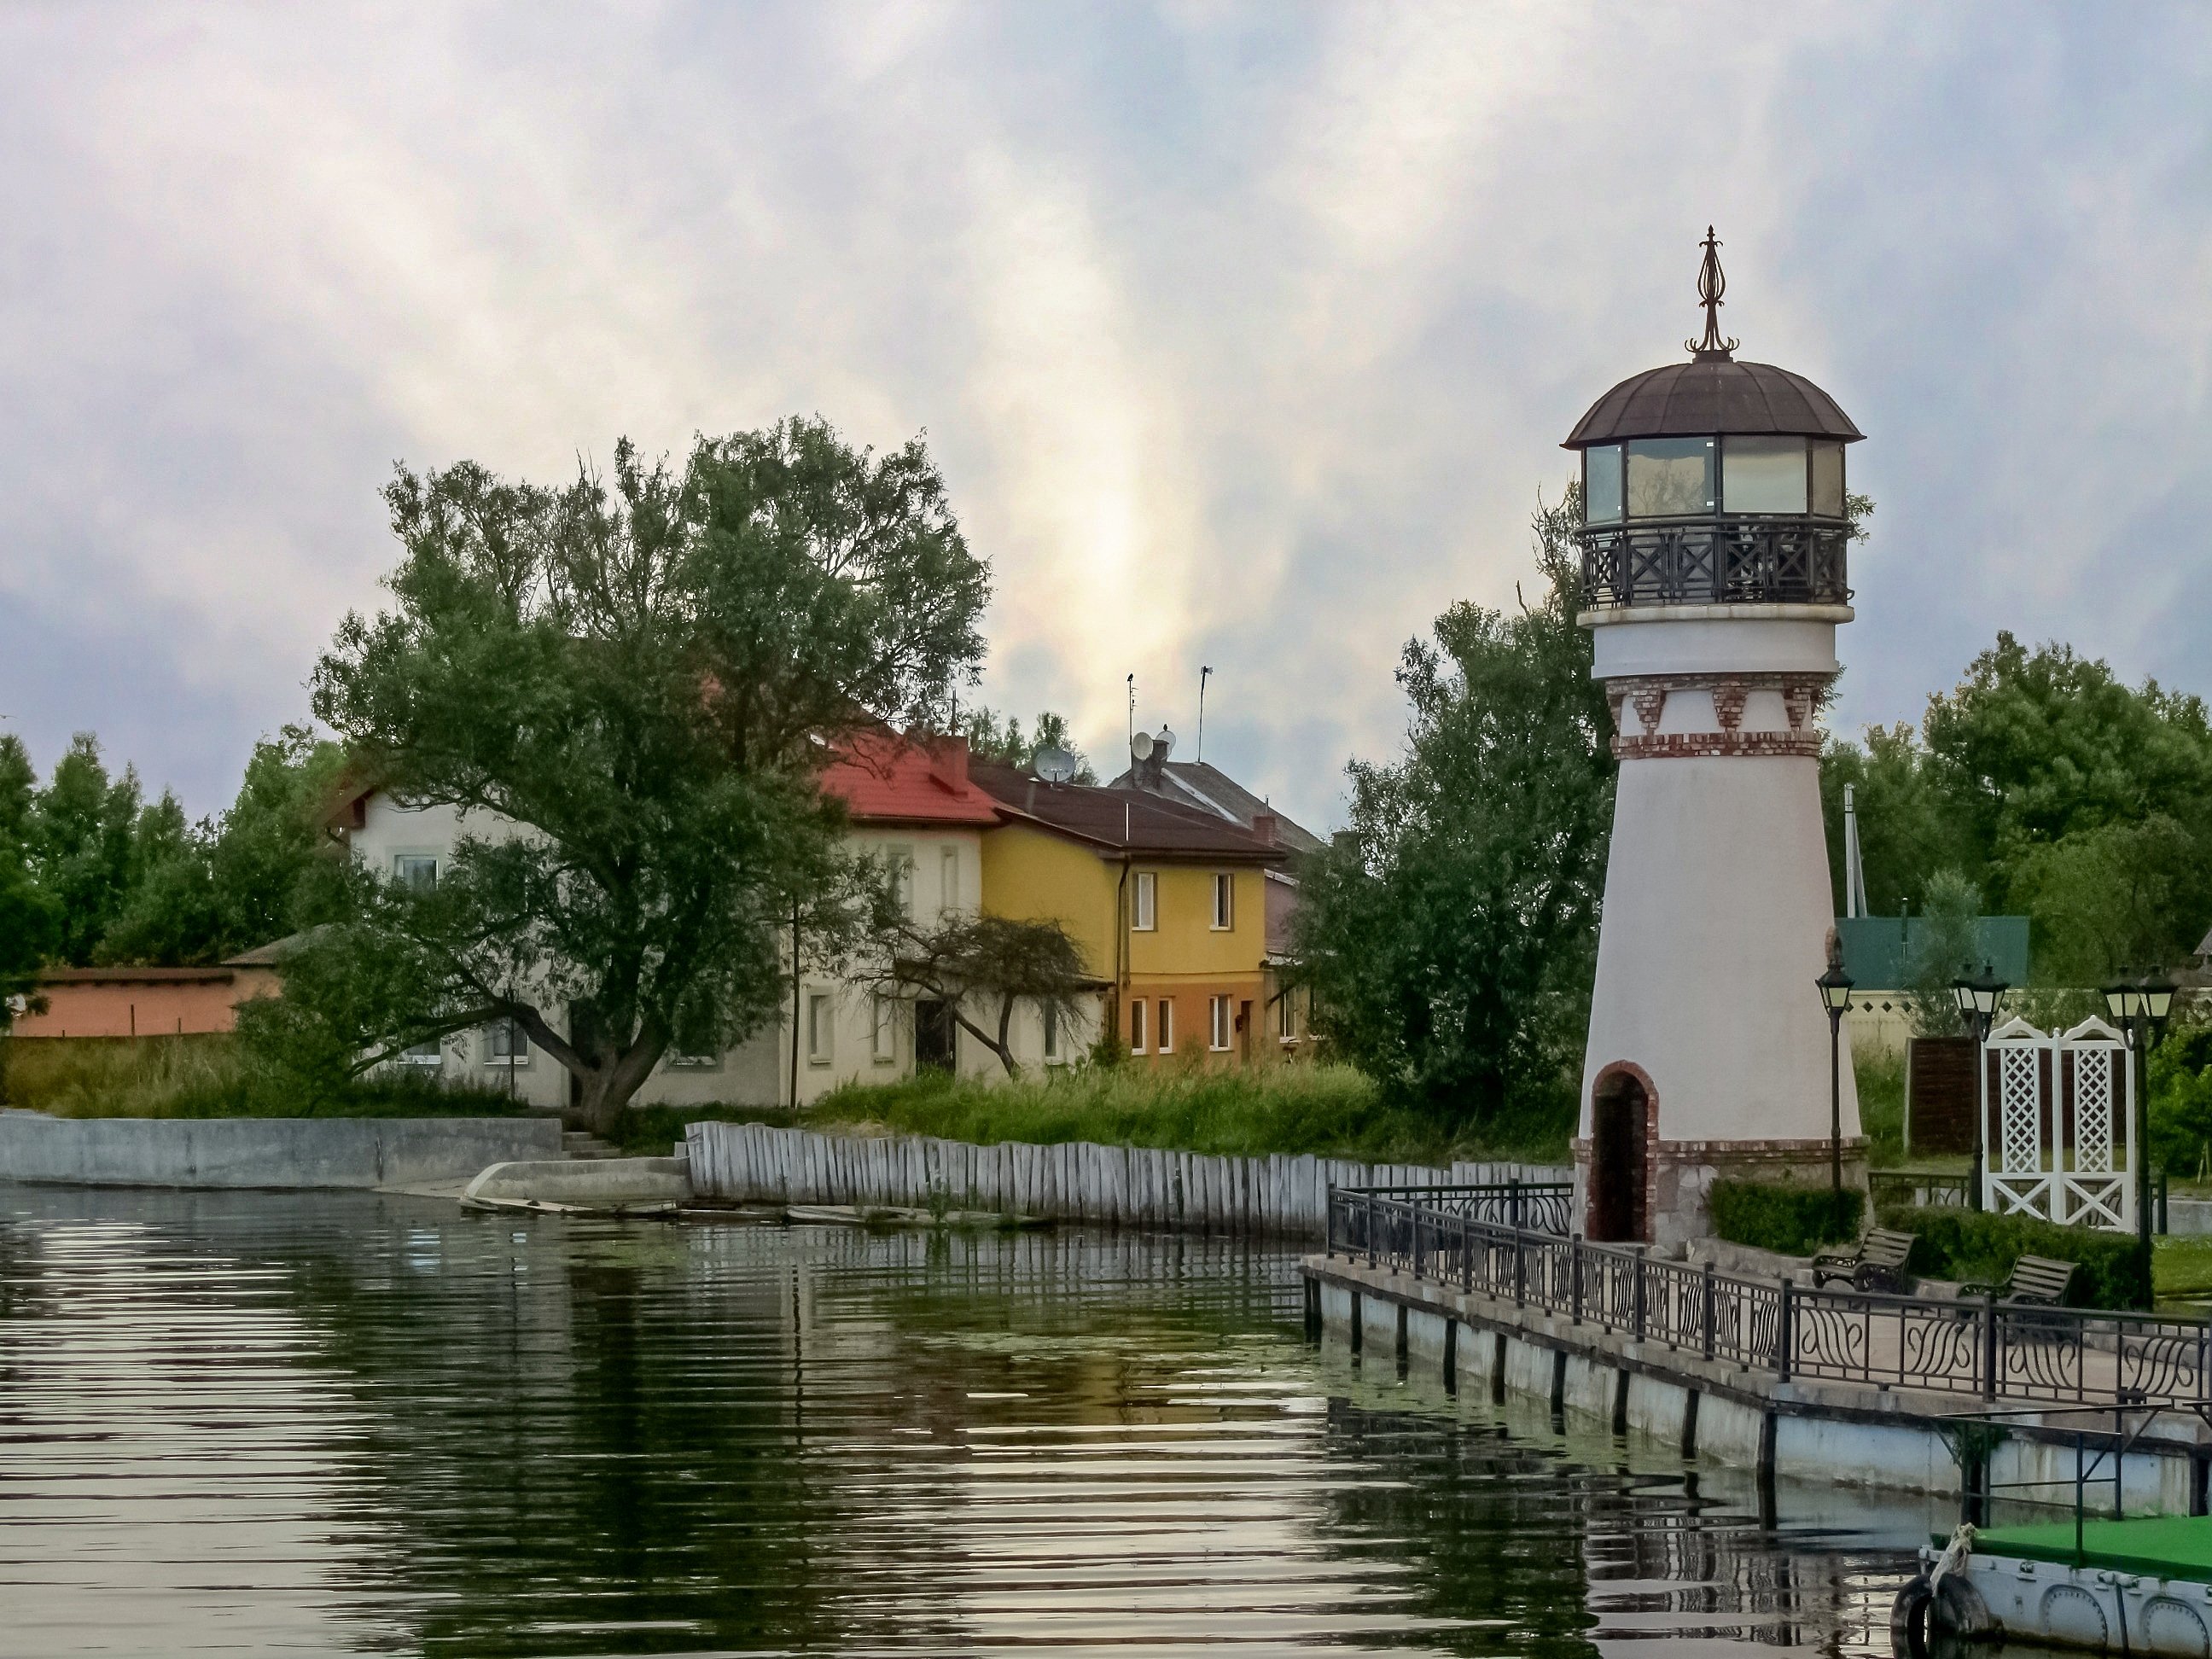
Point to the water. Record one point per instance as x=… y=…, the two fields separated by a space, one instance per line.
x=349 y=1424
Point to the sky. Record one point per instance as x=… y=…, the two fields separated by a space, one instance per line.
x=1244 y=336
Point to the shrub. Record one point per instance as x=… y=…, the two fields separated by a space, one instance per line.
x=1973 y=1245
x=1794 y=1220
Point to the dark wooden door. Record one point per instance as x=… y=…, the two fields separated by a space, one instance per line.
x=1618 y=1209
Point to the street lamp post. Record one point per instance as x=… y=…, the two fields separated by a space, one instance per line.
x=2141 y=1008
x=1978 y=997
x=1836 y=997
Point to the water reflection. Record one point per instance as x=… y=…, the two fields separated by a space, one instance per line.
x=348 y=1424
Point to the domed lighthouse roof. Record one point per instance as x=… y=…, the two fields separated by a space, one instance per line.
x=1709 y=396
x=1713 y=394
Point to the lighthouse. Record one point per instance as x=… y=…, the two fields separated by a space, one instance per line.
x=1713 y=551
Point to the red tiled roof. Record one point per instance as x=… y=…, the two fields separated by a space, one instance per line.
x=1115 y=818
x=883 y=778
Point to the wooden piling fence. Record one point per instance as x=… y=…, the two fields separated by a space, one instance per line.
x=1278 y=1196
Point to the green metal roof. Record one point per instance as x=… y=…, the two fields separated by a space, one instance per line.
x=1880 y=952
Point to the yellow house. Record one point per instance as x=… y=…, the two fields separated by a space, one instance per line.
x=1169 y=903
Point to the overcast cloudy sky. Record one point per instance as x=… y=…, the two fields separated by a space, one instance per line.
x=1244 y=335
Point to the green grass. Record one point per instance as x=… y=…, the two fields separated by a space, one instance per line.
x=204 y=1077
x=1879 y=1073
x=2182 y=1269
x=1331 y=1110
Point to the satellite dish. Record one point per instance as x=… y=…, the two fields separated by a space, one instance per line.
x=1141 y=746
x=1052 y=763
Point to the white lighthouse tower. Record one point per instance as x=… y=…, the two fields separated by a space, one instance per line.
x=1713 y=576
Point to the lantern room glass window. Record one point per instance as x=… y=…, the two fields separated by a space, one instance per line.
x=1762 y=475
x=1601 y=483
x=1828 y=473
x=1670 y=477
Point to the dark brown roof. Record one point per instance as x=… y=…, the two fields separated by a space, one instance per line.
x=1712 y=395
x=125 y=974
x=1206 y=786
x=1113 y=819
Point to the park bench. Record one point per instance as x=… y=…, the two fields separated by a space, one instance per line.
x=2035 y=1280
x=1878 y=1264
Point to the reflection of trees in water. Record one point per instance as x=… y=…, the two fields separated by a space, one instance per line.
x=1559 y=1553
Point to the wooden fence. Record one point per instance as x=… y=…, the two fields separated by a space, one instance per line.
x=1278 y=1195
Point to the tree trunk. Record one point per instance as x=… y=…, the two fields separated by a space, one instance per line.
x=997 y=1045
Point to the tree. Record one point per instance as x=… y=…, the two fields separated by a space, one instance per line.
x=79 y=846
x=991 y=740
x=28 y=921
x=1950 y=943
x=271 y=840
x=628 y=690
x=2117 y=895
x=1449 y=934
x=982 y=957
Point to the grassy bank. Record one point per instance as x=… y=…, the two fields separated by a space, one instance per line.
x=203 y=1077
x=1326 y=1109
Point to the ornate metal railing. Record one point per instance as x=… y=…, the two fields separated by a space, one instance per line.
x=1926 y=1189
x=1984 y=1348
x=1541 y=1206
x=1716 y=562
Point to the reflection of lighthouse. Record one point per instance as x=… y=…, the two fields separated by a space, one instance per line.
x=1713 y=576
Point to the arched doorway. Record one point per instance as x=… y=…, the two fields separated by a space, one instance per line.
x=1620 y=1118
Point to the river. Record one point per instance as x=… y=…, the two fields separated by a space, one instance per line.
x=337 y=1422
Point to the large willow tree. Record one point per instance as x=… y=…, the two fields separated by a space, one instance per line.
x=629 y=686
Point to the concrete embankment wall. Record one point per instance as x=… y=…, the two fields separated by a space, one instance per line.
x=264 y=1151
x=1074 y=1181
x=1803 y=1431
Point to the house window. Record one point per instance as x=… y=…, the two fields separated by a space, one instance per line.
x=821 y=1028
x=886 y=1030
x=506 y=1043
x=1137 y=1026
x=1220 y=1021
x=1145 y=902
x=900 y=857
x=416 y=871
x=948 y=880
x=1224 y=901
x=676 y=1059
x=1167 y=1026
x=1286 y=1018
x=430 y=1054
x=1051 y=1032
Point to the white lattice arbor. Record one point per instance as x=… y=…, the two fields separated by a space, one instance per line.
x=2058 y=1119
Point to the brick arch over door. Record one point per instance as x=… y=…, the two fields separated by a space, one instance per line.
x=1623 y=1149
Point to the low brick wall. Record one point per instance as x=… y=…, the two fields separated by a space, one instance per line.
x=265 y=1152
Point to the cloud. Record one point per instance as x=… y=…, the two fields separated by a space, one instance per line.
x=1246 y=336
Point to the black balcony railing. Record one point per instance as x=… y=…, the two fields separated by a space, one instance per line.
x=1716 y=562
x=1981 y=1348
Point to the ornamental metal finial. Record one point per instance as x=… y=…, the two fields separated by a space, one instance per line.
x=1711 y=284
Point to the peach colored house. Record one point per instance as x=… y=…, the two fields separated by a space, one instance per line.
x=128 y=1002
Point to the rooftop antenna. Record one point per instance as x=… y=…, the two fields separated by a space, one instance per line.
x=1202 y=673
x=1133 y=714
x=1711 y=284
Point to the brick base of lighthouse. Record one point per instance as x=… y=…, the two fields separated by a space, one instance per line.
x=1679 y=1176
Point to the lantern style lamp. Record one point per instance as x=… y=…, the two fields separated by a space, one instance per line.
x=2122 y=1001
x=1836 y=997
x=1978 y=997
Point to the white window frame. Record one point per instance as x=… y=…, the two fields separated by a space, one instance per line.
x=1137 y=1026
x=900 y=856
x=1221 y=1023
x=676 y=1061
x=1048 y=1019
x=1145 y=902
x=1286 y=1018
x=399 y=871
x=821 y=1028
x=948 y=878
x=424 y=1054
x=884 y=1030
x=512 y=1028
x=1224 y=901
x=1165 y=1039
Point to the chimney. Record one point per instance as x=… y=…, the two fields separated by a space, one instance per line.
x=1263 y=826
x=948 y=763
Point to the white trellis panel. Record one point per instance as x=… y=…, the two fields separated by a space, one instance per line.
x=2057 y=1112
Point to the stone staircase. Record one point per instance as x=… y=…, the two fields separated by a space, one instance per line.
x=578 y=1144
